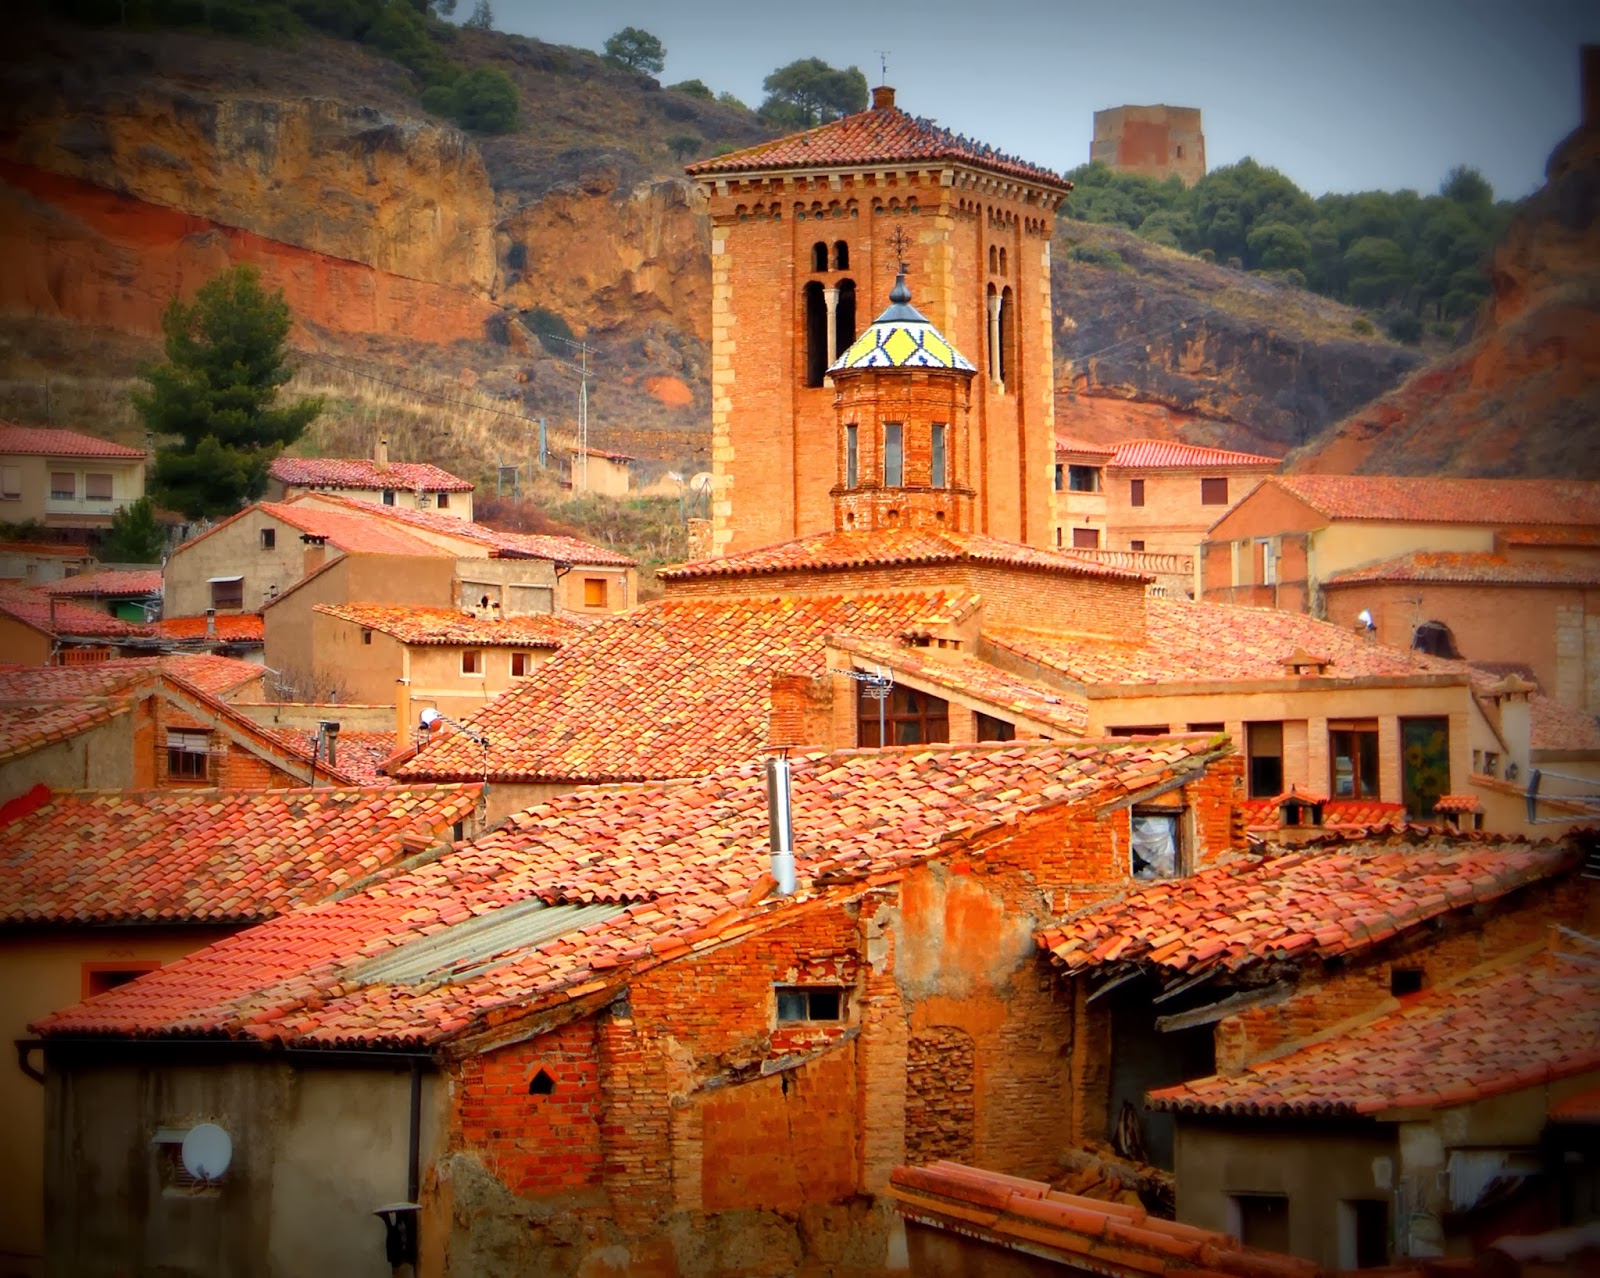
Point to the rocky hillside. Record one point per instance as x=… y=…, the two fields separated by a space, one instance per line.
x=1522 y=397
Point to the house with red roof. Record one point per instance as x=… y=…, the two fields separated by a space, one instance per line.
x=98 y=887
x=635 y=1039
x=65 y=480
x=38 y=628
x=129 y=594
x=375 y=479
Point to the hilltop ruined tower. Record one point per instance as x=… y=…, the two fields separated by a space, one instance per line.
x=801 y=249
x=1156 y=141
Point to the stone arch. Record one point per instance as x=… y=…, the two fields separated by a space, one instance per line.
x=841 y=256
x=816 y=321
x=819 y=256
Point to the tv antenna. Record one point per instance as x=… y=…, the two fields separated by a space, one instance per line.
x=883 y=65
x=581 y=466
x=875 y=686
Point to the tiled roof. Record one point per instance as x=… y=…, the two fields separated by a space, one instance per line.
x=209 y=856
x=1395 y=499
x=62 y=617
x=452 y=626
x=1446 y=567
x=621 y=458
x=963 y=674
x=215 y=675
x=238 y=627
x=1442 y=1047
x=31 y=726
x=1317 y=903
x=1083 y=448
x=1549 y=536
x=674 y=863
x=1457 y=803
x=1085 y=1235
x=550 y=546
x=880 y=136
x=1553 y=725
x=360 y=530
x=1205 y=643
x=674 y=688
x=363 y=472
x=360 y=755
x=37 y=684
x=1155 y=454
x=108 y=582
x=61 y=443
x=57 y=549
x=1339 y=815
x=892 y=548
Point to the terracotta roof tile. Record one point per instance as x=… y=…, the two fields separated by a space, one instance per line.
x=1338 y=815
x=1448 y=567
x=1321 y=902
x=239 y=627
x=360 y=754
x=108 y=582
x=38 y=684
x=1441 y=1047
x=193 y=856
x=835 y=550
x=1156 y=454
x=60 y=443
x=1083 y=448
x=1557 y=726
x=363 y=472
x=675 y=861
x=360 y=530
x=1535 y=502
x=880 y=136
x=452 y=626
x=673 y=688
x=61 y=617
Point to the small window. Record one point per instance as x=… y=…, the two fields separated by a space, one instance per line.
x=10 y=482
x=269 y=538
x=1264 y=748
x=97 y=487
x=366 y=637
x=1266 y=562
x=1083 y=479
x=1353 y=747
x=472 y=661
x=819 y=256
x=388 y=496
x=1214 y=492
x=521 y=664
x=991 y=729
x=1136 y=492
x=1085 y=538
x=841 y=256
x=1058 y=536
x=1059 y=470
x=1004 y=270
x=852 y=455
x=1137 y=730
x=936 y=465
x=176 y=1179
x=97 y=978
x=1206 y=727
x=1491 y=763
x=1263 y=1220
x=444 y=501
x=594 y=592
x=1404 y=981
x=188 y=754
x=541 y=1084
x=800 y=1003
x=1136 y=544
x=228 y=592
x=1154 y=845
x=894 y=462
x=1178 y=151
x=994 y=260
x=63 y=485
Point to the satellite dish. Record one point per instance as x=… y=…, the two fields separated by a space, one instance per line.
x=701 y=481
x=429 y=717
x=1365 y=618
x=207 y=1151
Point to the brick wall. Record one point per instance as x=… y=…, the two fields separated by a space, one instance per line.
x=940 y=1069
x=229 y=766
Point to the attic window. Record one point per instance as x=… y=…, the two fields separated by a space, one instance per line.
x=800 y=1003
x=542 y=1084
x=1405 y=980
x=188 y=753
x=269 y=538
x=1155 y=851
x=366 y=636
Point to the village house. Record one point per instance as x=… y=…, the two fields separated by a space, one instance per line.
x=129 y=594
x=38 y=629
x=69 y=482
x=606 y=473
x=100 y=886
x=376 y=480
x=622 y=1010
x=1428 y=563
x=38 y=563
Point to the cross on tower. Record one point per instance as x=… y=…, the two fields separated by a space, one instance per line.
x=900 y=242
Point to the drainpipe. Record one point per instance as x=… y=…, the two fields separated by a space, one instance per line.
x=780 y=823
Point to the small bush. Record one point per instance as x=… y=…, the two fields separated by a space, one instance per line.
x=1444 y=329
x=1405 y=327
x=552 y=331
x=1207 y=255
x=694 y=88
x=1362 y=326
x=1294 y=277
x=1094 y=255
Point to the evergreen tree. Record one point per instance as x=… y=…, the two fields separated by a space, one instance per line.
x=217 y=394
x=136 y=537
x=808 y=91
x=637 y=50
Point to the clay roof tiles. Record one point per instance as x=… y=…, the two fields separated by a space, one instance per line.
x=1397 y=499
x=236 y=627
x=360 y=530
x=1443 y=1047
x=61 y=443
x=363 y=472
x=879 y=136
x=1157 y=454
x=62 y=617
x=1082 y=447
x=674 y=861
x=194 y=856
x=673 y=688
x=108 y=582
x=1453 y=567
x=452 y=626
x=361 y=755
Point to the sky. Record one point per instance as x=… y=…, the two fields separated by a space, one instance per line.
x=1340 y=95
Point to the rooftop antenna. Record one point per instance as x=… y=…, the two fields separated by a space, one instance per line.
x=582 y=471
x=883 y=65
x=431 y=716
x=875 y=686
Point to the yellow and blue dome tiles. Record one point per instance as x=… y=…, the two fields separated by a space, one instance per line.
x=902 y=337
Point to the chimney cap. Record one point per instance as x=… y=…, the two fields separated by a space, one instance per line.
x=883 y=98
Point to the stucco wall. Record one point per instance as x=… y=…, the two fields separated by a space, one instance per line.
x=1173 y=519
x=458 y=505
x=234 y=549
x=35 y=501
x=23 y=645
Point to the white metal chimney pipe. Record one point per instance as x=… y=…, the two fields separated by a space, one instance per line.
x=780 y=824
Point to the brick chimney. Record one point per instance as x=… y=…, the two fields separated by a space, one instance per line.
x=316 y=553
x=380 y=453
x=801 y=712
x=883 y=98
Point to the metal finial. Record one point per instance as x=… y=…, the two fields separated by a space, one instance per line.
x=900 y=242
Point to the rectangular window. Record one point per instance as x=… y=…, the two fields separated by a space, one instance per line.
x=10 y=482
x=388 y=496
x=227 y=592
x=63 y=485
x=97 y=487
x=1214 y=492
x=269 y=538
x=1085 y=538
x=852 y=456
x=1353 y=750
x=1154 y=852
x=366 y=638
x=1059 y=469
x=1083 y=479
x=472 y=661
x=936 y=467
x=1263 y=1220
x=444 y=501
x=894 y=460
x=1136 y=544
x=1266 y=562
x=594 y=592
x=1264 y=748
x=798 y=1003
x=521 y=664
x=992 y=729
x=1136 y=492
x=1138 y=730
x=909 y=717
x=187 y=754
x=97 y=978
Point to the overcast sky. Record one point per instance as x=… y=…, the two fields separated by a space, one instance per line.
x=1341 y=95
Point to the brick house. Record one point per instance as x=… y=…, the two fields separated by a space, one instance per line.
x=623 y=1031
x=375 y=480
x=98 y=887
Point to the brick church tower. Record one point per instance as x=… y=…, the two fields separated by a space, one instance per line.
x=801 y=233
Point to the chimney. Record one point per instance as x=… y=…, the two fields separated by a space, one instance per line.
x=780 y=824
x=211 y=623
x=402 y=714
x=1511 y=694
x=800 y=712
x=329 y=728
x=883 y=98
x=316 y=553
x=380 y=453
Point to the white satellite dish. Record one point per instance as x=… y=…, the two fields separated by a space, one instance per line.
x=207 y=1151
x=1365 y=618
x=701 y=481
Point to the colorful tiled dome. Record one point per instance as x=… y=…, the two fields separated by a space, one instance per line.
x=902 y=337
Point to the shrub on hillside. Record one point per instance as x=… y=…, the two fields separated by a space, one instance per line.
x=1405 y=327
x=483 y=100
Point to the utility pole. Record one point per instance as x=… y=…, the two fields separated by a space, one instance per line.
x=580 y=467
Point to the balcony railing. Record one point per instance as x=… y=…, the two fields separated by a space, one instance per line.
x=1155 y=562
x=85 y=505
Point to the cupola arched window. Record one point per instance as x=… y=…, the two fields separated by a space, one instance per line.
x=816 y=334
x=1008 y=335
x=819 y=256
x=1003 y=262
x=841 y=256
